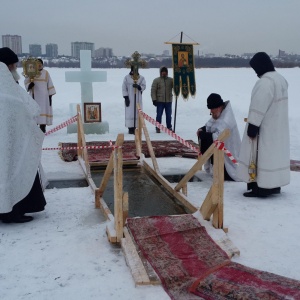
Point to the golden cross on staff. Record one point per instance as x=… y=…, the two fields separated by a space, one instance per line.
x=136 y=62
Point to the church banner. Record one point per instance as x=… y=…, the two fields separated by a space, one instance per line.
x=184 y=70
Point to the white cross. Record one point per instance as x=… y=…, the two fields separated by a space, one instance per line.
x=86 y=76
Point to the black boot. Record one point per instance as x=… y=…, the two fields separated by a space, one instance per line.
x=43 y=127
x=131 y=130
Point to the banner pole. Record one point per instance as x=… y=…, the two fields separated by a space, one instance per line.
x=176 y=96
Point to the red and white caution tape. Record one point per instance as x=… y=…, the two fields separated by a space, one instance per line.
x=169 y=132
x=221 y=146
x=85 y=147
x=62 y=125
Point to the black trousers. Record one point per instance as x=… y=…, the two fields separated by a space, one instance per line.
x=204 y=145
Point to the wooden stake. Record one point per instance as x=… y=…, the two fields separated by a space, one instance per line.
x=125 y=207
x=118 y=190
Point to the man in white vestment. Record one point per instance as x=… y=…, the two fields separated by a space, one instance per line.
x=265 y=149
x=20 y=148
x=132 y=93
x=222 y=118
x=42 y=90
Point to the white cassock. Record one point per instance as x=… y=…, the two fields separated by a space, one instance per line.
x=269 y=111
x=233 y=142
x=43 y=88
x=21 y=141
x=129 y=91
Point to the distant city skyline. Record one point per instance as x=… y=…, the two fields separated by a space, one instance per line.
x=219 y=26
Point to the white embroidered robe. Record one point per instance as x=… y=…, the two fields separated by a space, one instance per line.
x=43 y=88
x=129 y=91
x=269 y=111
x=21 y=141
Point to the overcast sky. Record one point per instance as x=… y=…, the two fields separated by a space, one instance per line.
x=219 y=26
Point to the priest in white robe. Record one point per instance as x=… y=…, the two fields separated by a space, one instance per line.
x=132 y=93
x=21 y=191
x=42 y=90
x=222 y=118
x=264 y=160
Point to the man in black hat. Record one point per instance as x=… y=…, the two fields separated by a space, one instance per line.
x=222 y=118
x=21 y=191
x=265 y=150
x=162 y=96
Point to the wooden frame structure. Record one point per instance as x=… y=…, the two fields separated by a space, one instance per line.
x=142 y=272
x=116 y=222
x=213 y=203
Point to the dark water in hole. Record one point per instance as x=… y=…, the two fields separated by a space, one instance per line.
x=64 y=184
x=146 y=196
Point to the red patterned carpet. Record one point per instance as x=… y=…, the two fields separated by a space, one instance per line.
x=179 y=249
x=191 y=265
x=161 y=149
x=236 y=281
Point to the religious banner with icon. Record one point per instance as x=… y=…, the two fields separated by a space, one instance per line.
x=31 y=68
x=184 y=70
x=92 y=112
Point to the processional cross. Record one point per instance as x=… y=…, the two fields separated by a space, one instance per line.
x=136 y=62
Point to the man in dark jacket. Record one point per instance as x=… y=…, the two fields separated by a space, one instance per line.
x=162 y=96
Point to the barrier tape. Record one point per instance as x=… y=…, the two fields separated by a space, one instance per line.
x=84 y=147
x=62 y=125
x=221 y=146
x=169 y=132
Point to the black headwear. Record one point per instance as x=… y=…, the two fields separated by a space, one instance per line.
x=132 y=69
x=261 y=63
x=163 y=69
x=7 y=56
x=214 y=101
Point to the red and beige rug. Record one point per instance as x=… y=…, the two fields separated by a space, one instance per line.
x=161 y=149
x=191 y=265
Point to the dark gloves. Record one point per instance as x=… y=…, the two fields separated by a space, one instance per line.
x=30 y=86
x=50 y=100
x=137 y=86
x=154 y=102
x=127 y=101
x=252 y=130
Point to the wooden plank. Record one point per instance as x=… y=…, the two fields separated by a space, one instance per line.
x=106 y=175
x=134 y=263
x=148 y=142
x=97 y=198
x=207 y=208
x=106 y=211
x=84 y=153
x=178 y=195
x=118 y=188
x=125 y=162
x=145 y=265
x=79 y=144
x=218 y=184
x=201 y=160
x=125 y=207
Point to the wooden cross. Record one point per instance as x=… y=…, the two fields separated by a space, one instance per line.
x=136 y=62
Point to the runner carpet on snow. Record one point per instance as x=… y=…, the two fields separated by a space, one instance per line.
x=191 y=265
